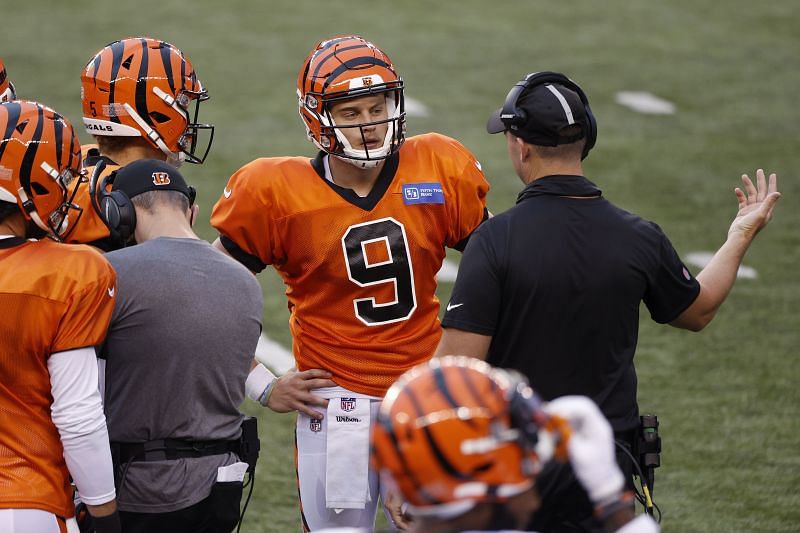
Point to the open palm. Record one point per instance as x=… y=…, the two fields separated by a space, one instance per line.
x=756 y=203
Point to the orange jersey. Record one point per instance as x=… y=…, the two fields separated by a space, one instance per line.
x=90 y=228
x=54 y=297
x=360 y=272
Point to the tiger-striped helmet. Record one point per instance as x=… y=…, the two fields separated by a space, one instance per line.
x=40 y=156
x=342 y=68
x=7 y=92
x=145 y=87
x=454 y=432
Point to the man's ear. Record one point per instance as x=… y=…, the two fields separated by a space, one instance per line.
x=524 y=149
x=193 y=211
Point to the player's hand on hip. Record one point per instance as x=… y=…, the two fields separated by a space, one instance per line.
x=590 y=447
x=292 y=392
x=756 y=204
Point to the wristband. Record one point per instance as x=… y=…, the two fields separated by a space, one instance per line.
x=264 y=398
x=259 y=382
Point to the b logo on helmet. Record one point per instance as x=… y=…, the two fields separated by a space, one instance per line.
x=367 y=81
x=160 y=178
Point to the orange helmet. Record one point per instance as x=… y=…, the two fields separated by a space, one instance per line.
x=454 y=432
x=144 y=87
x=39 y=157
x=7 y=92
x=341 y=68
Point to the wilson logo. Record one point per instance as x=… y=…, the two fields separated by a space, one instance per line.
x=160 y=178
x=347 y=419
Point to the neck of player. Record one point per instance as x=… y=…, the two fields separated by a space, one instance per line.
x=360 y=180
x=165 y=223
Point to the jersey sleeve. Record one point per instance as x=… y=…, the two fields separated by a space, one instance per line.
x=88 y=309
x=671 y=288
x=470 y=187
x=243 y=218
x=477 y=296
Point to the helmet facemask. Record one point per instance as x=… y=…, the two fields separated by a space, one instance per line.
x=334 y=141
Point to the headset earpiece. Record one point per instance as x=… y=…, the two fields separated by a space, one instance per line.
x=514 y=117
x=118 y=213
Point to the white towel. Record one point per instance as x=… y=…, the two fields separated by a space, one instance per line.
x=347 y=455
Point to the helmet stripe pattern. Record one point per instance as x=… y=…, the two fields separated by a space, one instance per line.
x=164 y=51
x=13 y=109
x=117 y=51
x=141 y=83
x=30 y=152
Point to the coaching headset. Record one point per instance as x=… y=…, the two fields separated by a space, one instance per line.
x=115 y=207
x=514 y=117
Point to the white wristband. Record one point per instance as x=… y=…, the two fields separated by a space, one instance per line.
x=257 y=382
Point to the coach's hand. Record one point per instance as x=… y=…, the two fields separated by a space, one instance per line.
x=292 y=392
x=756 y=204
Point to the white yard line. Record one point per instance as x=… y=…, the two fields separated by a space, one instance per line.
x=273 y=355
x=644 y=102
x=448 y=272
x=415 y=108
x=701 y=259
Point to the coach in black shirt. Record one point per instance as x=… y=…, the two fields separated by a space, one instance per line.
x=552 y=286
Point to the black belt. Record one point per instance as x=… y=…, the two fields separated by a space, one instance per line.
x=169 y=449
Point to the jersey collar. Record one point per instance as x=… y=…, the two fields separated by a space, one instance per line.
x=368 y=202
x=559 y=185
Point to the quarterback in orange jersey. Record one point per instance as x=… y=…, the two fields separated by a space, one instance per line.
x=358 y=235
x=137 y=96
x=57 y=302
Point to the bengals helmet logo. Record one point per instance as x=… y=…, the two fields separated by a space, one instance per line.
x=367 y=81
x=160 y=178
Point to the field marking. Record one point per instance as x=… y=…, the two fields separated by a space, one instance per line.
x=701 y=259
x=415 y=108
x=644 y=102
x=273 y=355
x=448 y=272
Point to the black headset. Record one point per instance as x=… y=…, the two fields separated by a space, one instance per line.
x=115 y=208
x=514 y=117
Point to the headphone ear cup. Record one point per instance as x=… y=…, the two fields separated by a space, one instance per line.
x=118 y=213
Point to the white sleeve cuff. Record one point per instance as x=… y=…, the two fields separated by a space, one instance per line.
x=77 y=412
x=257 y=382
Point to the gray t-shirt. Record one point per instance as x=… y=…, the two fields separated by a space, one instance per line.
x=179 y=348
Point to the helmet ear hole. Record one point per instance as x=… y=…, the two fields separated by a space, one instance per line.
x=159 y=117
x=38 y=188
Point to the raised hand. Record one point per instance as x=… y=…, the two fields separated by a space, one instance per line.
x=756 y=204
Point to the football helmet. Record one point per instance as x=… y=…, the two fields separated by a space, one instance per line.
x=7 y=92
x=454 y=432
x=342 y=68
x=145 y=87
x=40 y=157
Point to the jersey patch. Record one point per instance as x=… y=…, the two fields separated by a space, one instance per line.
x=423 y=193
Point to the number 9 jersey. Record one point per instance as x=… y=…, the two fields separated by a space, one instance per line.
x=360 y=272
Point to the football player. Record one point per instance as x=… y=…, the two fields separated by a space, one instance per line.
x=462 y=442
x=7 y=92
x=57 y=302
x=141 y=99
x=358 y=234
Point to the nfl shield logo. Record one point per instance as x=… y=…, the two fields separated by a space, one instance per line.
x=316 y=425
x=348 y=404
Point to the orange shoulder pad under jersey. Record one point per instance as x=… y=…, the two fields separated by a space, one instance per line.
x=90 y=227
x=55 y=298
x=360 y=272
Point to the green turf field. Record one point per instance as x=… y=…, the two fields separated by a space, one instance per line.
x=727 y=398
